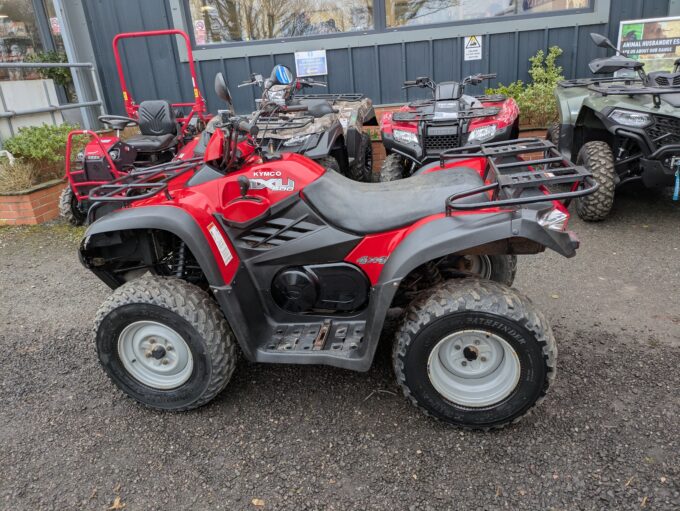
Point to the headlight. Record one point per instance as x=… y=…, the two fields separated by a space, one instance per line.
x=405 y=137
x=114 y=154
x=555 y=220
x=628 y=118
x=482 y=134
x=299 y=140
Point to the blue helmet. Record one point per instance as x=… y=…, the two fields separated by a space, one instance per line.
x=282 y=75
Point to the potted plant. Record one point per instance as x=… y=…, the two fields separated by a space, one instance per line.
x=31 y=174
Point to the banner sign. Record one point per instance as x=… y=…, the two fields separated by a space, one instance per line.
x=655 y=41
x=311 y=63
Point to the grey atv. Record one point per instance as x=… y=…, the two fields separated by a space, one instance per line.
x=624 y=129
x=327 y=128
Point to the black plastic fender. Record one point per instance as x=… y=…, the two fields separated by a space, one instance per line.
x=165 y=218
x=456 y=234
x=327 y=142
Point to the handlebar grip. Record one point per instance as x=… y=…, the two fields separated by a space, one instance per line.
x=245 y=126
x=297 y=108
x=410 y=82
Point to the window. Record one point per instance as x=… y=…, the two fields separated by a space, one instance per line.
x=19 y=37
x=402 y=13
x=219 y=21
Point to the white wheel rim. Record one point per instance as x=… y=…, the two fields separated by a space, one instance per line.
x=474 y=368
x=155 y=355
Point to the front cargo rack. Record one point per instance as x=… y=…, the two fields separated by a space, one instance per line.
x=472 y=113
x=142 y=183
x=332 y=97
x=516 y=176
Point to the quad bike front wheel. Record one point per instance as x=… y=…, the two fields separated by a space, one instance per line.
x=362 y=169
x=393 y=168
x=475 y=354
x=597 y=157
x=69 y=208
x=165 y=343
x=329 y=163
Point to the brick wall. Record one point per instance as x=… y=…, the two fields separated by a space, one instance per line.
x=38 y=205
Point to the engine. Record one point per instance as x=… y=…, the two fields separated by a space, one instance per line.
x=97 y=167
x=338 y=287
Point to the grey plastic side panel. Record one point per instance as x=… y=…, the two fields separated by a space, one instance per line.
x=166 y=218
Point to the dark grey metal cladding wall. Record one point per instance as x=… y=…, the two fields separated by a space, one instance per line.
x=152 y=65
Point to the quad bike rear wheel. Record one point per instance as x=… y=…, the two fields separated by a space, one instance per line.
x=597 y=157
x=392 y=169
x=69 y=208
x=475 y=354
x=165 y=343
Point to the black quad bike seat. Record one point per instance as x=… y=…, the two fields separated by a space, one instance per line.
x=157 y=125
x=318 y=107
x=364 y=208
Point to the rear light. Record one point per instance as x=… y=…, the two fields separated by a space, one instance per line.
x=554 y=220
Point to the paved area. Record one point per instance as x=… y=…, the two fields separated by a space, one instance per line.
x=606 y=437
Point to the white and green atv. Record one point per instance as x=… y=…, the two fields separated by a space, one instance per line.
x=622 y=128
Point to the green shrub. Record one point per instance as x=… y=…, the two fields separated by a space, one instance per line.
x=536 y=101
x=40 y=145
x=60 y=75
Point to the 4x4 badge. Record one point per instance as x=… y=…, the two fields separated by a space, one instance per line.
x=372 y=260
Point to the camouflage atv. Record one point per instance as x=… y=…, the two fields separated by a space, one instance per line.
x=623 y=129
x=327 y=128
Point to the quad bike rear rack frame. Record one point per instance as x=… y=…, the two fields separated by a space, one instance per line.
x=512 y=169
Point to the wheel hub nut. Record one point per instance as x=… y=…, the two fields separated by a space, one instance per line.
x=158 y=352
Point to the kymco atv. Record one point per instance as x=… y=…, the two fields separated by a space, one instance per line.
x=623 y=129
x=272 y=255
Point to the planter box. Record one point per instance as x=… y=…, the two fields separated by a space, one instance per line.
x=33 y=206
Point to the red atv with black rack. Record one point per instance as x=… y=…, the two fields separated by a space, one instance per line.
x=296 y=264
x=420 y=131
x=164 y=129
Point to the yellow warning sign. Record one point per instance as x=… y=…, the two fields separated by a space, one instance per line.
x=473 y=47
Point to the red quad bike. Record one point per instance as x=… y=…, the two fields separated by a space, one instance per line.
x=420 y=131
x=294 y=264
x=164 y=128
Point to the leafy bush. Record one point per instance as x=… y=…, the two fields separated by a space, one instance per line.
x=40 y=145
x=536 y=101
x=60 y=75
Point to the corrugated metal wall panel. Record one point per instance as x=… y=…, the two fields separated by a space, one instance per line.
x=377 y=71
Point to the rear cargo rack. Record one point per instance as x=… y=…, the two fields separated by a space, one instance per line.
x=142 y=183
x=512 y=169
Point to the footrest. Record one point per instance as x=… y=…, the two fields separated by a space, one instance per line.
x=335 y=336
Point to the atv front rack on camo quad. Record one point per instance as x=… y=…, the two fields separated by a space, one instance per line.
x=513 y=171
x=140 y=184
x=332 y=97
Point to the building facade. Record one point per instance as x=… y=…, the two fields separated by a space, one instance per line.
x=372 y=46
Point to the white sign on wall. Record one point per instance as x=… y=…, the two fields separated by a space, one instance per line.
x=473 y=47
x=311 y=63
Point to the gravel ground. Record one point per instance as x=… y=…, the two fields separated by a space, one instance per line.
x=606 y=437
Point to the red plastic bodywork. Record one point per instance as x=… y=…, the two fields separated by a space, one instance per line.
x=270 y=183
x=504 y=118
